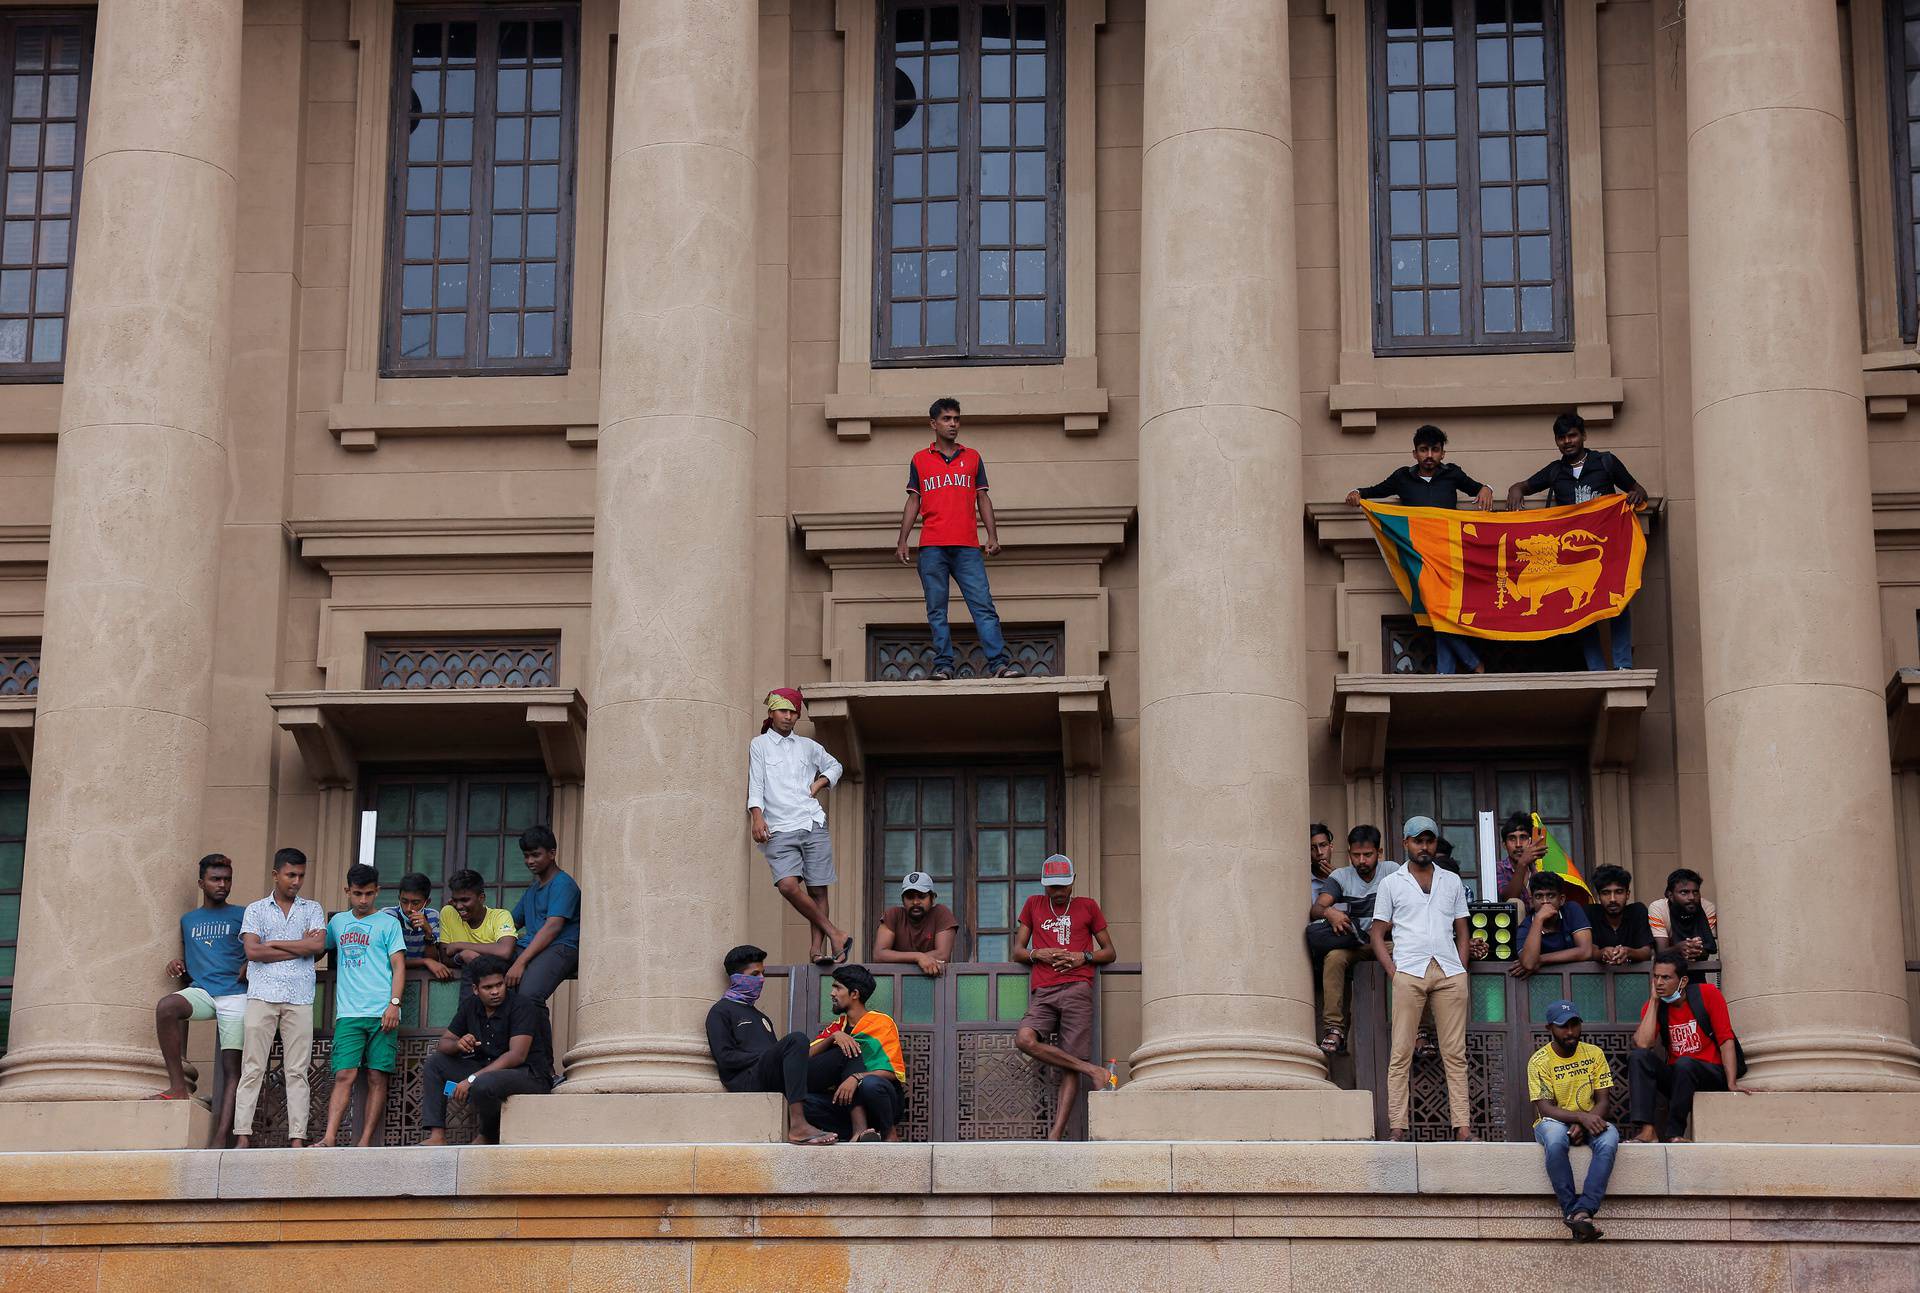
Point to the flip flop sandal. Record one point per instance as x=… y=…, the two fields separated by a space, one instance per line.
x=824 y=959
x=867 y=1137
x=846 y=950
x=822 y=1138
x=1424 y=1048
x=1333 y=1041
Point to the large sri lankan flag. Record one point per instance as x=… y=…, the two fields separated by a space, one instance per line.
x=1515 y=575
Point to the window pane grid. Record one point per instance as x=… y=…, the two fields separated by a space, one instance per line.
x=13 y=856
x=968 y=228
x=1468 y=176
x=46 y=65
x=481 y=235
x=1903 y=77
x=440 y=823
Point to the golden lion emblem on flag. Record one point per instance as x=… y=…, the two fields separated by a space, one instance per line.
x=1547 y=571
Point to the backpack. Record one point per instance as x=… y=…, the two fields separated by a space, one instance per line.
x=1697 y=1003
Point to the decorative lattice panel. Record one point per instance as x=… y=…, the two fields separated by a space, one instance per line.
x=20 y=671
x=1429 y=1113
x=897 y=655
x=1003 y=1095
x=399 y=1126
x=464 y=665
x=918 y=1050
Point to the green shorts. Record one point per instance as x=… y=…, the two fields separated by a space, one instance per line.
x=230 y=1011
x=363 y=1044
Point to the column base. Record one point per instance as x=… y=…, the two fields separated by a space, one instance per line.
x=666 y=1118
x=104 y=1124
x=1807 y=1118
x=1141 y=1114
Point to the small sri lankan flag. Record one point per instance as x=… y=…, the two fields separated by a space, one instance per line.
x=1521 y=575
x=1555 y=859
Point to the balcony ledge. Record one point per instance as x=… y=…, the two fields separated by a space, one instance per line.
x=853 y=719
x=335 y=729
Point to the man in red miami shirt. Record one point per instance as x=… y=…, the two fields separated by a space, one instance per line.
x=1068 y=937
x=946 y=483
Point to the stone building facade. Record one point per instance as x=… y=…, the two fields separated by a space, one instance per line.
x=469 y=412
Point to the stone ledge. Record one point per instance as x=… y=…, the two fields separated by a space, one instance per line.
x=1807 y=1118
x=1141 y=1113
x=93 y=1125
x=664 y=1118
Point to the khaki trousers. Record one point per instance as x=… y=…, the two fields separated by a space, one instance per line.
x=293 y=1024
x=1412 y=997
x=1335 y=968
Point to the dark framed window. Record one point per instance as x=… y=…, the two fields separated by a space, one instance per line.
x=13 y=863
x=969 y=225
x=1469 y=177
x=480 y=214
x=48 y=60
x=1454 y=791
x=442 y=821
x=980 y=832
x=1903 y=93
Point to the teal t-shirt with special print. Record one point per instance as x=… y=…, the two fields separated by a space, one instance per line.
x=363 y=948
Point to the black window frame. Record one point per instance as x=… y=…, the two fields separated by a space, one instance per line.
x=1474 y=338
x=474 y=362
x=967 y=351
x=82 y=22
x=459 y=780
x=1903 y=122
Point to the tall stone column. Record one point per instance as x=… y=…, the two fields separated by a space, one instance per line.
x=1225 y=1011
x=1799 y=777
x=669 y=711
x=139 y=492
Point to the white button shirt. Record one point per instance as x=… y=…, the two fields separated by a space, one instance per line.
x=285 y=982
x=780 y=770
x=1423 y=921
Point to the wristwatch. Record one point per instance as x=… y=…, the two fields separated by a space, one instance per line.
x=393 y=1001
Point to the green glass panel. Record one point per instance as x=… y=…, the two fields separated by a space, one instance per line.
x=13 y=813
x=991 y=947
x=902 y=853
x=390 y=858
x=990 y=907
x=1466 y=850
x=1456 y=797
x=322 y=1007
x=13 y=863
x=936 y=802
x=973 y=995
x=902 y=802
x=394 y=804
x=1556 y=797
x=1489 y=993
x=1417 y=790
x=1515 y=794
x=510 y=897
x=916 y=1004
x=936 y=853
x=1630 y=992
x=430 y=808
x=443 y=999
x=1029 y=851
x=992 y=795
x=826 y=1000
x=483 y=808
x=1030 y=799
x=883 y=994
x=990 y=852
x=430 y=856
x=1011 y=989
x=1542 y=991
x=483 y=855
x=6 y=962
x=6 y=1020
x=523 y=807
x=1589 y=996
x=1023 y=891
x=410 y=1007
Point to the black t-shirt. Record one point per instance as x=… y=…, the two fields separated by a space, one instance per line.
x=737 y=1034
x=1600 y=473
x=1633 y=932
x=1415 y=490
x=517 y=1016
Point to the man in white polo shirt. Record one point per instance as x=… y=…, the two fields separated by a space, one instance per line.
x=1423 y=910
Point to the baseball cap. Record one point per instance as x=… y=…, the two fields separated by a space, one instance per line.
x=1417 y=826
x=1057 y=869
x=1562 y=1013
x=916 y=882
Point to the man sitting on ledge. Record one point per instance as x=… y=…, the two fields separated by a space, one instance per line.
x=1690 y=1021
x=1571 y=1085
x=498 y=1045
x=749 y=1056
x=856 y=1072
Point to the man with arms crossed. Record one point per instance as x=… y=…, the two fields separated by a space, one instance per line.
x=1068 y=937
x=369 y=975
x=1423 y=909
x=281 y=933
x=214 y=963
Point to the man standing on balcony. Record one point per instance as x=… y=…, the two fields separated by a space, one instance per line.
x=1433 y=482
x=282 y=933
x=946 y=484
x=1577 y=476
x=369 y=978
x=548 y=918
x=785 y=775
x=1062 y=938
x=1571 y=1086
x=1422 y=909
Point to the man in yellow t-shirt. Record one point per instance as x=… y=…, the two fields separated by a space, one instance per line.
x=469 y=929
x=1571 y=1086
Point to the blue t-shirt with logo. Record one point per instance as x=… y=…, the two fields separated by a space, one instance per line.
x=210 y=946
x=363 y=947
x=1573 y=919
x=559 y=896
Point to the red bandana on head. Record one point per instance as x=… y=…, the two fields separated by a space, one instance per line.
x=788 y=693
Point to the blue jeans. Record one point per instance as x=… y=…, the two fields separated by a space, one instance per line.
x=1621 y=627
x=1552 y=1135
x=1452 y=653
x=968 y=569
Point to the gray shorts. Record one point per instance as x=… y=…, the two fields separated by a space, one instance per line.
x=806 y=854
